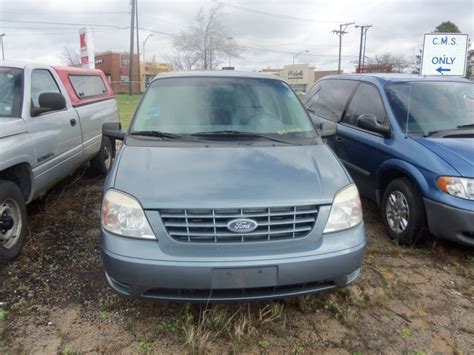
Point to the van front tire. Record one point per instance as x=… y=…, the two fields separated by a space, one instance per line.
x=13 y=216
x=403 y=212
x=102 y=163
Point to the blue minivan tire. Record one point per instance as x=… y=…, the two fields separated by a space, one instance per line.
x=403 y=212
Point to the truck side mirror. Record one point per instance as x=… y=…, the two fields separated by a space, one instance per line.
x=113 y=130
x=370 y=123
x=49 y=101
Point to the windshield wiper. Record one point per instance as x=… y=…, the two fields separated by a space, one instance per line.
x=469 y=125
x=158 y=134
x=238 y=133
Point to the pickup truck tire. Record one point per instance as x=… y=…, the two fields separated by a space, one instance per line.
x=13 y=217
x=403 y=212
x=102 y=163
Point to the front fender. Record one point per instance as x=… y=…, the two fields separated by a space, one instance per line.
x=402 y=166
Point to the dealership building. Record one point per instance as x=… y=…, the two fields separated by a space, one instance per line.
x=299 y=76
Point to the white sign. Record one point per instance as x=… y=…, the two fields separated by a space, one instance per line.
x=444 y=54
x=87 y=48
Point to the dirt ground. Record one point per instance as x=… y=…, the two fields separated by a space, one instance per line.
x=54 y=298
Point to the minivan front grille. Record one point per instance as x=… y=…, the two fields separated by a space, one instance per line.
x=210 y=225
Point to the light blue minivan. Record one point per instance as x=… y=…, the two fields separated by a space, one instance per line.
x=223 y=190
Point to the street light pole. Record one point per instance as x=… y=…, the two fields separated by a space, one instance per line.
x=228 y=47
x=297 y=54
x=3 y=50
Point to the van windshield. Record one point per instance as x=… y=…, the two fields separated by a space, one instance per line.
x=203 y=105
x=11 y=89
x=428 y=107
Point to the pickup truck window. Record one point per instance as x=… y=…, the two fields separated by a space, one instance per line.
x=330 y=100
x=88 y=85
x=11 y=90
x=366 y=100
x=42 y=81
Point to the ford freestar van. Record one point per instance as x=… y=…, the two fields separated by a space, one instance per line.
x=223 y=190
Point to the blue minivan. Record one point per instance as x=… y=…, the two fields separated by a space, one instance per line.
x=408 y=142
x=223 y=190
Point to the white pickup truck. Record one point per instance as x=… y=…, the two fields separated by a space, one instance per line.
x=50 y=123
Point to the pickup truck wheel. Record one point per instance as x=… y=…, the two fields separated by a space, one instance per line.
x=102 y=163
x=403 y=212
x=12 y=220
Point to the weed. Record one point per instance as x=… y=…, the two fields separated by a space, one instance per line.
x=417 y=352
x=172 y=327
x=60 y=333
x=389 y=314
x=196 y=338
x=3 y=314
x=297 y=349
x=129 y=324
x=270 y=312
x=407 y=333
x=104 y=315
x=264 y=344
x=67 y=350
x=144 y=344
x=71 y=213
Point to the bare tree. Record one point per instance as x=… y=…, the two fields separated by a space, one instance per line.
x=388 y=62
x=70 y=57
x=203 y=46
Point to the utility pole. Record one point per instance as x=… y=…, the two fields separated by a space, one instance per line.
x=3 y=50
x=144 y=58
x=342 y=31
x=138 y=47
x=210 y=52
x=363 y=35
x=132 y=37
x=228 y=46
x=365 y=41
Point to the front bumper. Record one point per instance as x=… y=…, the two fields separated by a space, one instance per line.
x=450 y=222
x=219 y=279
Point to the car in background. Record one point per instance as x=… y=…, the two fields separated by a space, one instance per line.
x=50 y=123
x=223 y=190
x=408 y=142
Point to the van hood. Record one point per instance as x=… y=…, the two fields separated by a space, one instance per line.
x=10 y=126
x=229 y=177
x=458 y=152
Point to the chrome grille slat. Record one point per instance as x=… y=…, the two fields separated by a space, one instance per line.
x=210 y=225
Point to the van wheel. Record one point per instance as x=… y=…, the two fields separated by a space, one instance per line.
x=12 y=220
x=102 y=163
x=403 y=212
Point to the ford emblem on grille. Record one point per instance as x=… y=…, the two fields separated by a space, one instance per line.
x=242 y=225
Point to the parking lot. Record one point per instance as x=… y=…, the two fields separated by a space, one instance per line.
x=55 y=298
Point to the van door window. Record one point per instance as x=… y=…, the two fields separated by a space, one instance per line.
x=366 y=100
x=42 y=81
x=331 y=98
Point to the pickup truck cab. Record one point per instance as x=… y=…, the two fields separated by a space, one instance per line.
x=407 y=141
x=50 y=124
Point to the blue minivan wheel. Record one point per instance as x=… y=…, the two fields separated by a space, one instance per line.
x=403 y=212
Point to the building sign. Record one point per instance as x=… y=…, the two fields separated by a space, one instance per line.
x=444 y=54
x=295 y=74
x=86 y=42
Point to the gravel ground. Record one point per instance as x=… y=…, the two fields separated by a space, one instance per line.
x=54 y=298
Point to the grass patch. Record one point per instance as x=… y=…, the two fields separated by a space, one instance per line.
x=127 y=105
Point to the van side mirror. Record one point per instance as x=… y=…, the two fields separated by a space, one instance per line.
x=328 y=129
x=370 y=123
x=113 y=130
x=49 y=101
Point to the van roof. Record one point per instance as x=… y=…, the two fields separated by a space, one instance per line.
x=216 y=74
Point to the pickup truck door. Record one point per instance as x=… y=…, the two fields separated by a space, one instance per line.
x=362 y=151
x=56 y=135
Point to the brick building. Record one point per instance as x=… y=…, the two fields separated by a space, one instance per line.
x=115 y=66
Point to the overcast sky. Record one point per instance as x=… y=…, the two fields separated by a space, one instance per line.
x=276 y=29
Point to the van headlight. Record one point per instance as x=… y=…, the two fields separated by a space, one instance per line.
x=457 y=186
x=346 y=210
x=122 y=214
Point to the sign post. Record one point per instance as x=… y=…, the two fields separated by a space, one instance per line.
x=87 y=48
x=444 y=54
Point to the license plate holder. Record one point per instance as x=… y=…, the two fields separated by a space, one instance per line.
x=244 y=277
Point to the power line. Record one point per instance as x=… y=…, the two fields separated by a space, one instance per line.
x=63 y=23
x=74 y=13
x=264 y=13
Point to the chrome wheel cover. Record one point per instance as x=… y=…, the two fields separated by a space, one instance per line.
x=9 y=238
x=397 y=212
